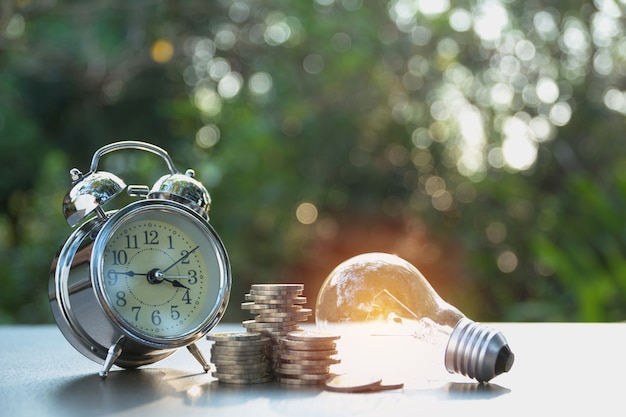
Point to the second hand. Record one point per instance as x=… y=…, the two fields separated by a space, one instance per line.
x=180 y=259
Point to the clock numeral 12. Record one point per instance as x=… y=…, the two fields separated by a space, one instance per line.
x=151 y=237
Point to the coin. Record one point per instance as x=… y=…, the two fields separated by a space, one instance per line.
x=234 y=336
x=276 y=334
x=243 y=367
x=308 y=335
x=240 y=374
x=304 y=377
x=299 y=382
x=306 y=354
x=268 y=318
x=229 y=350
x=251 y=305
x=271 y=308
x=239 y=366
x=273 y=287
x=279 y=292
x=238 y=360
x=311 y=362
x=262 y=326
x=263 y=297
x=275 y=300
x=244 y=343
x=297 y=371
x=284 y=312
x=352 y=382
x=307 y=345
x=231 y=379
x=271 y=320
x=385 y=386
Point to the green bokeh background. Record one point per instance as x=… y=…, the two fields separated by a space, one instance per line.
x=481 y=140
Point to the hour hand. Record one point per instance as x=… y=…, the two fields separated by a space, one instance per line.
x=176 y=283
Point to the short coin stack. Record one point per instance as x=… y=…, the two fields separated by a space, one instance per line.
x=240 y=357
x=278 y=310
x=305 y=357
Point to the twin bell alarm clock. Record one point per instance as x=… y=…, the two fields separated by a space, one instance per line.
x=131 y=286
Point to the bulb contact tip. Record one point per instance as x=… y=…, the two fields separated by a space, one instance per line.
x=477 y=351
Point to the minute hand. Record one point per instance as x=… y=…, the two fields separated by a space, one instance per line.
x=180 y=259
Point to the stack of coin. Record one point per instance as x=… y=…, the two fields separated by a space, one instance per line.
x=240 y=357
x=277 y=308
x=305 y=357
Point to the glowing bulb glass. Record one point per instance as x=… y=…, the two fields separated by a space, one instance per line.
x=375 y=297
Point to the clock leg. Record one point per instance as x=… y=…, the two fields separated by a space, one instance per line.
x=193 y=349
x=114 y=352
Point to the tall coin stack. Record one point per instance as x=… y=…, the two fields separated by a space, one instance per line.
x=278 y=310
x=240 y=357
x=305 y=358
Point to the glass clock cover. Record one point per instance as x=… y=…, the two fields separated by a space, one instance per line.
x=160 y=272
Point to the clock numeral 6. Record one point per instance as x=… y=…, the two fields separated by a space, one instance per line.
x=156 y=318
x=156 y=314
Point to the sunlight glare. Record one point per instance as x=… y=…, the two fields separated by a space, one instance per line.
x=473 y=141
x=490 y=20
x=518 y=149
x=433 y=7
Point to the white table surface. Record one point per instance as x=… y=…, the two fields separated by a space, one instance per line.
x=560 y=369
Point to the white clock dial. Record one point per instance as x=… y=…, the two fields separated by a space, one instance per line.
x=161 y=273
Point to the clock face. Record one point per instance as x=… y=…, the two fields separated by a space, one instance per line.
x=163 y=272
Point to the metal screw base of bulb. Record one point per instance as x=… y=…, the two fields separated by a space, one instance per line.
x=477 y=351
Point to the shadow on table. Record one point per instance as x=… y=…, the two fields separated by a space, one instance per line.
x=472 y=391
x=121 y=390
x=150 y=389
x=124 y=390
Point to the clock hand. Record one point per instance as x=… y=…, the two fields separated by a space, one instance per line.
x=128 y=273
x=176 y=283
x=182 y=258
x=158 y=276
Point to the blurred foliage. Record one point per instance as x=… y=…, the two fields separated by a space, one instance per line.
x=481 y=140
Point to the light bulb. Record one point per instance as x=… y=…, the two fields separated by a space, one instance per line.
x=379 y=294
